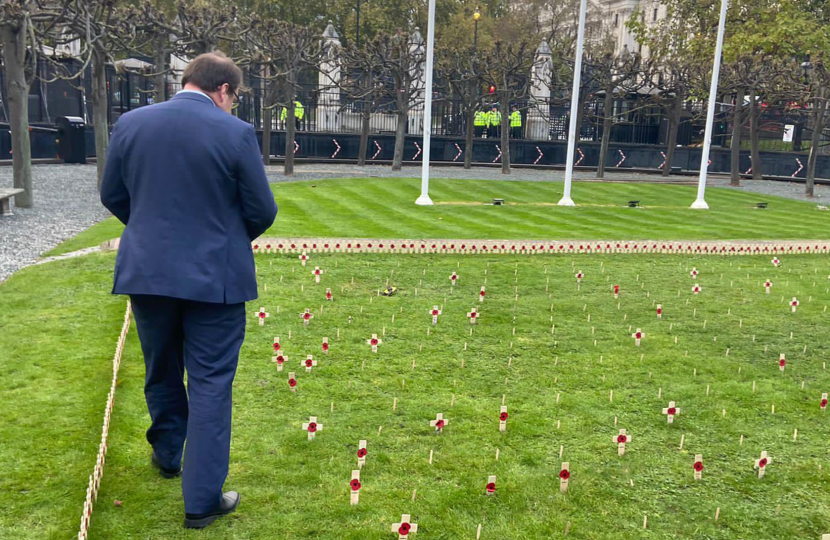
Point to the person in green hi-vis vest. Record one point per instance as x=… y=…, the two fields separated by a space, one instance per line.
x=516 y=123
x=480 y=123
x=299 y=113
x=494 y=123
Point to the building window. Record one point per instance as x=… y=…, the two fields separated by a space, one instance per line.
x=655 y=15
x=616 y=20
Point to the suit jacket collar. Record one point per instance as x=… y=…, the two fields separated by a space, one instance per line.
x=194 y=96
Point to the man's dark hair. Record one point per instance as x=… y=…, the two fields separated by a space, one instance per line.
x=211 y=70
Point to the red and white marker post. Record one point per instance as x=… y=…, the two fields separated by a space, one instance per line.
x=659 y=311
x=761 y=463
x=621 y=439
x=638 y=335
x=564 y=476
x=262 y=315
x=823 y=403
x=439 y=423
x=616 y=292
x=435 y=312
x=312 y=427
x=329 y=297
x=374 y=341
x=782 y=363
x=671 y=411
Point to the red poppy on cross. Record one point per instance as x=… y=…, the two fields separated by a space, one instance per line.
x=354 y=486
x=262 y=315
x=693 y=273
x=767 y=285
x=279 y=360
x=325 y=345
x=698 y=466
x=775 y=262
x=638 y=335
x=276 y=344
x=439 y=423
x=823 y=402
x=312 y=427
x=306 y=316
x=782 y=362
x=309 y=363
x=503 y=418
x=292 y=382
x=579 y=275
x=374 y=342
x=794 y=303
x=453 y=278
x=659 y=311
x=564 y=476
x=761 y=463
x=435 y=312
x=303 y=258
x=404 y=527
x=616 y=291
x=696 y=289
x=481 y=294
x=671 y=411
x=317 y=273
x=621 y=439
x=473 y=315
x=328 y=294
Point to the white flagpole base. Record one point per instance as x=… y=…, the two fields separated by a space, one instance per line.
x=566 y=201
x=700 y=204
x=423 y=200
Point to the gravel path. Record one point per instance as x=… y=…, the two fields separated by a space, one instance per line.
x=66 y=198
x=66 y=203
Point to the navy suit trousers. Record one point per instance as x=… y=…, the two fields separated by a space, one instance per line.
x=203 y=340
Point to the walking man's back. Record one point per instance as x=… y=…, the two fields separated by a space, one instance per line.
x=186 y=179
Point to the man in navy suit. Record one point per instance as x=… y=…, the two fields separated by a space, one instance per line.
x=186 y=179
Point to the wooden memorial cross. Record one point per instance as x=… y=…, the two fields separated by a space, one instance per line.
x=279 y=360
x=404 y=528
x=696 y=289
x=693 y=273
x=782 y=362
x=303 y=258
x=621 y=439
x=671 y=411
x=453 y=278
x=317 y=273
x=276 y=344
x=481 y=294
x=564 y=475
x=638 y=335
x=435 y=312
x=292 y=381
x=309 y=363
x=775 y=262
x=579 y=275
x=823 y=402
x=361 y=454
x=490 y=488
x=473 y=315
x=503 y=418
x=325 y=345
x=767 y=285
x=616 y=292
x=354 y=487
x=262 y=315
x=762 y=462
x=374 y=342
x=659 y=311
x=312 y=427
x=439 y=423
x=306 y=316
x=698 y=466
x=794 y=303
x=328 y=294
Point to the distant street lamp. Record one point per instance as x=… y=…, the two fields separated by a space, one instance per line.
x=476 y=17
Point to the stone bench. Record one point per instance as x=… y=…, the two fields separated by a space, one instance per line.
x=5 y=195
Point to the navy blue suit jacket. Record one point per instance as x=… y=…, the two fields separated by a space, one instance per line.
x=187 y=180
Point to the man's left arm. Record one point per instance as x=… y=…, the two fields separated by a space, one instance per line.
x=114 y=194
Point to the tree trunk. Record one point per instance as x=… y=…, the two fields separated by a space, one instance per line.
x=754 y=135
x=735 y=145
x=363 y=148
x=14 y=57
x=607 y=124
x=267 y=120
x=818 y=127
x=400 y=133
x=505 y=134
x=160 y=58
x=99 y=110
x=288 y=169
x=468 y=139
x=674 y=127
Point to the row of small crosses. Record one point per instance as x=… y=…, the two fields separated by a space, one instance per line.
x=405 y=527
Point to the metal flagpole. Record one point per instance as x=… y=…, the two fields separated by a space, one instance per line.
x=424 y=199
x=700 y=202
x=572 y=130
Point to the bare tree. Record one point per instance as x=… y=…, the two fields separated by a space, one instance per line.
x=460 y=70
x=507 y=66
x=284 y=50
x=362 y=81
x=818 y=95
x=402 y=61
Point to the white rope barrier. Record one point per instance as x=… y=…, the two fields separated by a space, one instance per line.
x=98 y=471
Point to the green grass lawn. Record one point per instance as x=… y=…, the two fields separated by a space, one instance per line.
x=58 y=330
x=293 y=488
x=384 y=208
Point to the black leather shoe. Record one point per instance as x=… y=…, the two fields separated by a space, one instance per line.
x=230 y=500
x=167 y=473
